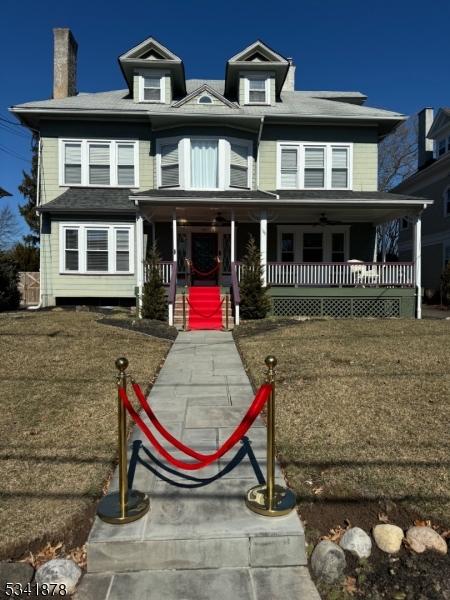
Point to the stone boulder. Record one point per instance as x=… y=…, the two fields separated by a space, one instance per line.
x=60 y=571
x=357 y=542
x=388 y=538
x=425 y=538
x=328 y=561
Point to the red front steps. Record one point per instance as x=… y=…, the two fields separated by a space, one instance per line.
x=220 y=315
x=204 y=308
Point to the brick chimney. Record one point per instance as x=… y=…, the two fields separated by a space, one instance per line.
x=64 y=63
x=424 y=145
x=289 y=82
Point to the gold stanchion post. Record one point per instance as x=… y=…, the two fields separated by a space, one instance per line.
x=125 y=505
x=270 y=499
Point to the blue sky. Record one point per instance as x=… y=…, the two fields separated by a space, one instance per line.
x=394 y=51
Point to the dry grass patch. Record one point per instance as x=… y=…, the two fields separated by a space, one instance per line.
x=58 y=425
x=363 y=411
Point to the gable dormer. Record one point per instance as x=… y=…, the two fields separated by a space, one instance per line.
x=206 y=96
x=256 y=75
x=153 y=73
x=440 y=132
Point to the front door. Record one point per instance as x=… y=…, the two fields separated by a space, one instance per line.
x=204 y=254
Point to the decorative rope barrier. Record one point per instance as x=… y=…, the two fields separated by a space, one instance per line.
x=255 y=408
x=218 y=307
x=201 y=273
x=128 y=504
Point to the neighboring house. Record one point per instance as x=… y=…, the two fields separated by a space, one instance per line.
x=431 y=180
x=198 y=166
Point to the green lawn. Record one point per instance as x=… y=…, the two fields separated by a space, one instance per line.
x=363 y=415
x=59 y=418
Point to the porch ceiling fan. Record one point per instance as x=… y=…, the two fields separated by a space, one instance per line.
x=220 y=220
x=324 y=220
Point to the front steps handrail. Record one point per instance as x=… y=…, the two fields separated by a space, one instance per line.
x=235 y=291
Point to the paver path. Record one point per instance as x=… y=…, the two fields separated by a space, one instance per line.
x=203 y=543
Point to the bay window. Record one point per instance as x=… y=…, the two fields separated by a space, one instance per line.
x=96 y=249
x=313 y=166
x=99 y=163
x=204 y=163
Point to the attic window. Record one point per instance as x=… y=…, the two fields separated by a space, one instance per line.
x=257 y=90
x=152 y=88
x=205 y=99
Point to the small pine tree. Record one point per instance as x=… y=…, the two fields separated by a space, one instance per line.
x=28 y=188
x=255 y=303
x=9 y=279
x=154 y=302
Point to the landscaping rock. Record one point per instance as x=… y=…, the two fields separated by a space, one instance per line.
x=15 y=572
x=357 y=542
x=388 y=538
x=60 y=571
x=425 y=538
x=328 y=561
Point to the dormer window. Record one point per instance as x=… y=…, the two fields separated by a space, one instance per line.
x=257 y=89
x=205 y=99
x=152 y=88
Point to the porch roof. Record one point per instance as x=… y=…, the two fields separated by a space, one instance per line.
x=91 y=200
x=304 y=206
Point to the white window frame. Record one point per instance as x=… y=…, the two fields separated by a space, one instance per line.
x=82 y=228
x=184 y=158
x=162 y=78
x=446 y=193
x=256 y=75
x=327 y=231
x=85 y=143
x=328 y=164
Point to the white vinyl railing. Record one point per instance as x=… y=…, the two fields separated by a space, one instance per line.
x=352 y=273
x=165 y=271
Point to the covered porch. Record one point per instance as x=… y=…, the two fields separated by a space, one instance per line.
x=310 y=247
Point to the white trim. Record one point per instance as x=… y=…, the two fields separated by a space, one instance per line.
x=113 y=165
x=257 y=75
x=142 y=73
x=263 y=246
x=328 y=230
x=140 y=260
x=224 y=164
x=417 y=258
x=111 y=228
x=328 y=164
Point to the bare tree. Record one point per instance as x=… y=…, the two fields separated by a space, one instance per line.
x=8 y=224
x=397 y=160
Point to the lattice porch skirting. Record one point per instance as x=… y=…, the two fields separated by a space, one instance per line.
x=337 y=307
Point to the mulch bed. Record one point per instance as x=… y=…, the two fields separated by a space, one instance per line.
x=158 y=329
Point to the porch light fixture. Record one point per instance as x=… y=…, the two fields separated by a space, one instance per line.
x=220 y=220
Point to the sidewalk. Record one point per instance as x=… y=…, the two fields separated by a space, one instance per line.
x=200 y=543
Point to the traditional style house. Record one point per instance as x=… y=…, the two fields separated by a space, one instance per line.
x=431 y=180
x=199 y=166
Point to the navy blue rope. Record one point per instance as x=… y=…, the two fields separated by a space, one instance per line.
x=246 y=450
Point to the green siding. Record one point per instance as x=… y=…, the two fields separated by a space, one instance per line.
x=52 y=130
x=56 y=285
x=365 y=150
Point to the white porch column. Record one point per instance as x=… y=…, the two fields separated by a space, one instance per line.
x=417 y=258
x=375 y=246
x=140 y=261
x=174 y=236
x=232 y=238
x=263 y=245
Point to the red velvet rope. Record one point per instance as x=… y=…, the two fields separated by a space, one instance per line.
x=255 y=408
x=197 y=272
x=202 y=314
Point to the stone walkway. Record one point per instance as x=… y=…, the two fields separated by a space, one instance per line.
x=202 y=543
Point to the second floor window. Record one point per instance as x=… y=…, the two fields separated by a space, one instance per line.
x=204 y=163
x=99 y=163
x=314 y=166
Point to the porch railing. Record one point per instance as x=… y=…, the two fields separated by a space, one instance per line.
x=165 y=271
x=350 y=274
x=341 y=274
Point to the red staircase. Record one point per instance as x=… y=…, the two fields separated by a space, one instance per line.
x=204 y=308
